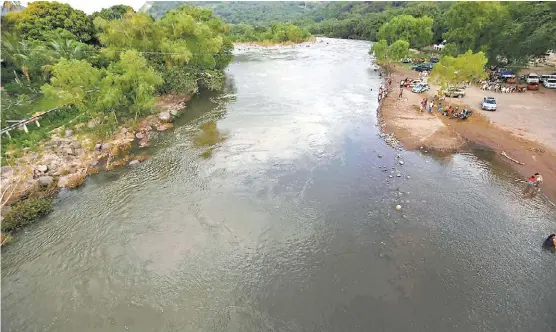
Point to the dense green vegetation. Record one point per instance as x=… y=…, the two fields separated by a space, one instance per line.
x=278 y=32
x=509 y=33
x=258 y=13
x=107 y=66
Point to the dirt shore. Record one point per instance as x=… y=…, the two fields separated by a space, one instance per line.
x=401 y=117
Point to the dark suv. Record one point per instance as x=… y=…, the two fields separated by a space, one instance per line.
x=427 y=66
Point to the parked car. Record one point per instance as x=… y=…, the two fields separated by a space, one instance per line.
x=426 y=66
x=420 y=88
x=545 y=77
x=412 y=83
x=434 y=60
x=550 y=83
x=533 y=78
x=406 y=60
x=489 y=104
x=454 y=92
x=533 y=86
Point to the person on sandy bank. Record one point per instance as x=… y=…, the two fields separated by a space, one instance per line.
x=550 y=241
x=538 y=179
x=401 y=93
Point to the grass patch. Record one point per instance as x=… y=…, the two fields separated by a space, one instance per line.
x=26 y=212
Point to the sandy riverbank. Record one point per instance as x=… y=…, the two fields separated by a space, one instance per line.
x=400 y=116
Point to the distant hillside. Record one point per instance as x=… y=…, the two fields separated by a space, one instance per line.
x=248 y=12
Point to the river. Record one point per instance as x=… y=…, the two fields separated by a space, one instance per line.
x=287 y=223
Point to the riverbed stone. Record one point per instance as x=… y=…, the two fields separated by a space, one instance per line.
x=164 y=127
x=134 y=163
x=45 y=181
x=69 y=132
x=175 y=112
x=164 y=116
x=139 y=135
x=76 y=144
x=105 y=147
x=42 y=168
x=69 y=151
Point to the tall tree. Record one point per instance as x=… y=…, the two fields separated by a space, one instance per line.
x=112 y=13
x=418 y=31
x=42 y=17
x=465 y=67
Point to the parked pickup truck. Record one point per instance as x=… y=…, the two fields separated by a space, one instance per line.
x=454 y=92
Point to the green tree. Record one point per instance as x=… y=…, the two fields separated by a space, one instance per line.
x=129 y=85
x=418 y=31
x=112 y=13
x=42 y=17
x=398 y=50
x=451 y=71
x=74 y=82
x=380 y=50
x=479 y=26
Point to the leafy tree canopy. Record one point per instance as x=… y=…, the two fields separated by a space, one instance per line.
x=418 y=31
x=40 y=18
x=465 y=67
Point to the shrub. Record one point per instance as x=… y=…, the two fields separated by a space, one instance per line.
x=26 y=212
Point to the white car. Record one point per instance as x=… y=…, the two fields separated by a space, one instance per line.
x=533 y=78
x=489 y=104
x=549 y=83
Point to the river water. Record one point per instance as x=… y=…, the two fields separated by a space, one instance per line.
x=287 y=222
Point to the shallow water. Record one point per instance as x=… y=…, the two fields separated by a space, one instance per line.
x=288 y=223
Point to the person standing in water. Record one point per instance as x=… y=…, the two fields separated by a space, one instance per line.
x=550 y=241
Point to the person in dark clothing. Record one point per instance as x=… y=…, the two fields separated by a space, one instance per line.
x=550 y=241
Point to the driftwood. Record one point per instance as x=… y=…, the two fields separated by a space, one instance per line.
x=512 y=159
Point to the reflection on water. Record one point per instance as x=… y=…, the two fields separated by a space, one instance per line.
x=290 y=224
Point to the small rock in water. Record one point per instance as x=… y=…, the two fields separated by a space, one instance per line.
x=401 y=162
x=398 y=207
x=390 y=176
x=398 y=156
x=408 y=177
x=398 y=175
x=380 y=156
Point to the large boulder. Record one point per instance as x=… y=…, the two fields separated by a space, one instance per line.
x=164 y=116
x=45 y=181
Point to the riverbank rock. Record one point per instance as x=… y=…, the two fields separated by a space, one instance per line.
x=164 y=127
x=139 y=135
x=69 y=132
x=175 y=112
x=105 y=147
x=45 y=181
x=72 y=180
x=164 y=116
x=42 y=168
x=134 y=163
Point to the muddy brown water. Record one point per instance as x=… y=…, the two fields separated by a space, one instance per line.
x=288 y=222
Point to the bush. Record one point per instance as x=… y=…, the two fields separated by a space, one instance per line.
x=26 y=212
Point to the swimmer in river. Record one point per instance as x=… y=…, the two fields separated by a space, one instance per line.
x=550 y=241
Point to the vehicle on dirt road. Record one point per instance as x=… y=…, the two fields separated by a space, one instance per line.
x=412 y=83
x=454 y=92
x=426 y=66
x=489 y=104
x=533 y=78
x=533 y=86
x=420 y=88
x=550 y=83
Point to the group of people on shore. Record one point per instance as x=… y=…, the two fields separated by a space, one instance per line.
x=383 y=91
